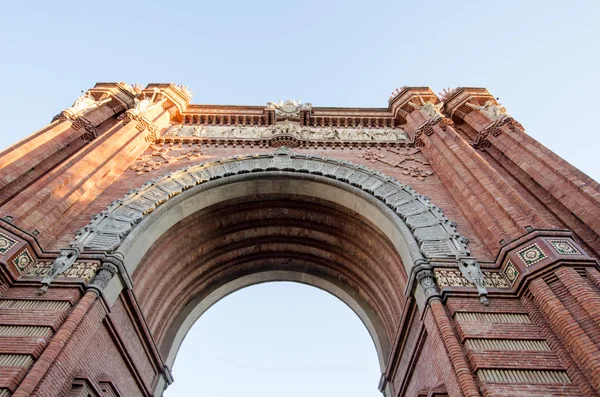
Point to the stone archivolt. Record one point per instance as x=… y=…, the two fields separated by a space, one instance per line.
x=436 y=235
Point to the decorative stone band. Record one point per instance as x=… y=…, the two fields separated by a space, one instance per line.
x=448 y=277
x=435 y=235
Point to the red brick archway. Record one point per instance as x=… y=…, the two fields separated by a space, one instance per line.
x=102 y=311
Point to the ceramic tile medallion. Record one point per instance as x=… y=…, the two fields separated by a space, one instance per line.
x=23 y=260
x=6 y=243
x=511 y=272
x=564 y=247
x=532 y=254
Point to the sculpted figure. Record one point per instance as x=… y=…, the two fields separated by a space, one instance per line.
x=330 y=133
x=175 y=130
x=362 y=134
x=305 y=132
x=199 y=131
x=430 y=109
x=268 y=132
x=141 y=107
x=490 y=109
x=84 y=103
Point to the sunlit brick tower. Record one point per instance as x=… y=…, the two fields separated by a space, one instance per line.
x=468 y=249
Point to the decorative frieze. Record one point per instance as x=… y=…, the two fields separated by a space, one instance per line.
x=507 y=344
x=454 y=278
x=16 y=360
x=80 y=270
x=34 y=304
x=26 y=330
x=564 y=247
x=360 y=133
x=511 y=318
x=510 y=272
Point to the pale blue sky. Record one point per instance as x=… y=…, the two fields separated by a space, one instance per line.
x=541 y=58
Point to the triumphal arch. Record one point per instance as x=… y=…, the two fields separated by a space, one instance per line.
x=468 y=249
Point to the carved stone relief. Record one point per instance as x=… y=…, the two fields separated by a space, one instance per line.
x=359 y=133
x=164 y=155
x=407 y=159
x=289 y=108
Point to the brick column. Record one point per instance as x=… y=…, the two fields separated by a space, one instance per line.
x=54 y=200
x=56 y=345
x=570 y=195
x=26 y=161
x=496 y=210
x=583 y=350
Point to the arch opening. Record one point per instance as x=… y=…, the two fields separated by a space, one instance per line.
x=260 y=238
x=276 y=336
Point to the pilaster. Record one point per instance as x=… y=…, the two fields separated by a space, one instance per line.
x=52 y=201
x=497 y=211
x=569 y=194
x=29 y=159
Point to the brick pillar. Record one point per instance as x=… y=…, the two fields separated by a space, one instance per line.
x=48 y=357
x=583 y=350
x=497 y=211
x=569 y=194
x=54 y=200
x=26 y=161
